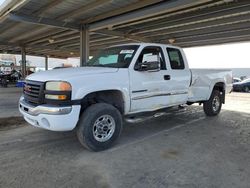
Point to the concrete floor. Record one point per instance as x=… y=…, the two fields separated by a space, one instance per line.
x=181 y=150
x=9 y=98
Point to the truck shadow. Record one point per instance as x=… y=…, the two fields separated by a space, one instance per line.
x=33 y=138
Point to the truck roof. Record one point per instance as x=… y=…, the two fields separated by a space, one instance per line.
x=146 y=44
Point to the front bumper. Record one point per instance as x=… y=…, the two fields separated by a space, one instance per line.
x=55 y=118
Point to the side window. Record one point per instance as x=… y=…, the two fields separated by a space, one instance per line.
x=152 y=50
x=175 y=58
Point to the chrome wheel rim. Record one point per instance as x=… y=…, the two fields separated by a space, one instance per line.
x=104 y=128
x=216 y=103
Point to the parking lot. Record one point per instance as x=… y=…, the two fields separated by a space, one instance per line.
x=185 y=149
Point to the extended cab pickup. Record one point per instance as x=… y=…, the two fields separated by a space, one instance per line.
x=118 y=83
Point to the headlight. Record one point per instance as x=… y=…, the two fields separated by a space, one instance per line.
x=58 y=86
x=58 y=90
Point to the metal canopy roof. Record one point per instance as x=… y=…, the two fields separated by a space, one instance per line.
x=51 y=27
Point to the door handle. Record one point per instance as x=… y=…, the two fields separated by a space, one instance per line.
x=167 y=77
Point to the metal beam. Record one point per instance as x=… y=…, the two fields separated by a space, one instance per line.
x=36 y=47
x=84 y=44
x=93 y=41
x=34 y=13
x=180 y=14
x=86 y=8
x=9 y=6
x=128 y=8
x=46 y=62
x=43 y=21
x=10 y=27
x=185 y=20
x=47 y=7
x=219 y=28
x=160 y=8
x=200 y=25
x=111 y=42
x=23 y=54
x=215 y=41
x=12 y=6
x=74 y=39
x=122 y=35
x=55 y=22
x=24 y=35
x=99 y=47
x=211 y=36
x=106 y=43
x=46 y=36
x=71 y=37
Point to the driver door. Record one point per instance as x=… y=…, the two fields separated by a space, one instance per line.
x=149 y=91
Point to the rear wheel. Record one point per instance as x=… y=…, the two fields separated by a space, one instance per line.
x=212 y=107
x=99 y=126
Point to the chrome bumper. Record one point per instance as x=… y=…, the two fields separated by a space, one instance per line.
x=43 y=109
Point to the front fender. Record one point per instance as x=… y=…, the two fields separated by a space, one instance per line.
x=95 y=83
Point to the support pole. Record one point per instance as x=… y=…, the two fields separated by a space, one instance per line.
x=46 y=63
x=23 y=66
x=84 y=44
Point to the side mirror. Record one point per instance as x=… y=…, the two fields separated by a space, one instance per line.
x=150 y=63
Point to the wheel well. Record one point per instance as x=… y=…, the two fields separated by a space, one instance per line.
x=220 y=86
x=113 y=97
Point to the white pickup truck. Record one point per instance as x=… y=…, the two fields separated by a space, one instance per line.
x=119 y=83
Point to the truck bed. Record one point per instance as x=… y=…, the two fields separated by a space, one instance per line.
x=203 y=80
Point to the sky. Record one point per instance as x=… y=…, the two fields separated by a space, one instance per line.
x=236 y=55
x=1 y=2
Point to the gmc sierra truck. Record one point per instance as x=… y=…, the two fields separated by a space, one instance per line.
x=119 y=83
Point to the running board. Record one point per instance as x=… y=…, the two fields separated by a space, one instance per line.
x=151 y=115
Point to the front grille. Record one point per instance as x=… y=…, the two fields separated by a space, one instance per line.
x=34 y=92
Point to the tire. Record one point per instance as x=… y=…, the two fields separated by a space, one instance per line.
x=99 y=126
x=246 y=89
x=212 y=107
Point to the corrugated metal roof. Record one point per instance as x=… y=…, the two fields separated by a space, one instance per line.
x=186 y=22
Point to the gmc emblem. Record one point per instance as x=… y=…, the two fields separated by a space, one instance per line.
x=27 y=88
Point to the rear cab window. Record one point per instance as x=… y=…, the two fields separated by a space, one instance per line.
x=175 y=59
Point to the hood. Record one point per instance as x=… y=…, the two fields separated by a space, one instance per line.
x=66 y=73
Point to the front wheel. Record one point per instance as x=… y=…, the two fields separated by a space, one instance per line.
x=99 y=126
x=212 y=107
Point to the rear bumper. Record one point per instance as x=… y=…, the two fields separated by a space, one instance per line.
x=55 y=118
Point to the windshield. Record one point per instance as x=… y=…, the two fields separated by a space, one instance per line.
x=115 y=57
